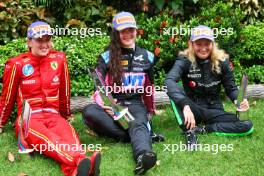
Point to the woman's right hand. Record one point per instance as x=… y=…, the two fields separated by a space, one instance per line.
x=189 y=120
x=108 y=110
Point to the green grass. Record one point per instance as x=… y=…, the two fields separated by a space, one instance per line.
x=247 y=157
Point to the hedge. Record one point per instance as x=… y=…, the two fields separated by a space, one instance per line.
x=82 y=53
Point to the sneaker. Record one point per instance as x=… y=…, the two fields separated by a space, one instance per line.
x=191 y=139
x=200 y=130
x=145 y=162
x=157 y=137
x=83 y=167
x=95 y=164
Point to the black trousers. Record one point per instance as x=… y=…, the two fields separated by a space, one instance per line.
x=215 y=119
x=138 y=133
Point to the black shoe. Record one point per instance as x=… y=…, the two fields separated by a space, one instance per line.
x=200 y=130
x=84 y=167
x=157 y=137
x=95 y=160
x=191 y=140
x=145 y=162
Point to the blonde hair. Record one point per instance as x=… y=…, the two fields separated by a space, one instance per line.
x=217 y=55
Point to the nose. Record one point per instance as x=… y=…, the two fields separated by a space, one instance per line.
x=45 y=44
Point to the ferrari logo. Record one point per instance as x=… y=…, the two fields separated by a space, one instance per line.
x=54 y=65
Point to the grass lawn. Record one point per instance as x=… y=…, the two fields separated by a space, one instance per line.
x=246 y=157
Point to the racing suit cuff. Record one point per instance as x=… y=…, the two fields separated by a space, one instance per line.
x=233 y=96
x=183 y=102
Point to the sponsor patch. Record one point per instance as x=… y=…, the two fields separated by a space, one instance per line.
x=28 y=70
x=192 y=84
x=134 y=79
x=139 y=64
x=54 y=65
x=139 y=58
x=138 y=69
x=125 y=19
x=194 y=75
x=55 y=79
x=29 y=81
x=124 y=62
x=214 y=83
x=195 y=70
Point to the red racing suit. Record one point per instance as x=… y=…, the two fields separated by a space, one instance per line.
x=45 y=83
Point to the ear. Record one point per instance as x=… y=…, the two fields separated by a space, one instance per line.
x=189 y=43
x=29 y=43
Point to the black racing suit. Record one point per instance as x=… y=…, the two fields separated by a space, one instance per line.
x=201 y=91
x=137 y=72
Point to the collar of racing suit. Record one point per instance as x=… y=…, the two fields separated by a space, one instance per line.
x=38 y=58
x=128 y=51
x=204 y=99
x=202 y=61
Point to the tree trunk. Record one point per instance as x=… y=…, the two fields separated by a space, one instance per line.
x=255 y=91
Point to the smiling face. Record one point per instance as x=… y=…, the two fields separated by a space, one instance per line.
x=128 y=37
x=40 y=46
x=202 y=48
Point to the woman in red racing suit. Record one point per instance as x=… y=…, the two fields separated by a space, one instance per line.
x=41 y=78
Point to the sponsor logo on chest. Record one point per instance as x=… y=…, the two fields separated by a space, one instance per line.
x=55 y=80
x=138 y=58
x=133 y=79
x=27 y=70
x=194 y=73
x=214 y=83
x=124 y=62
x=198 y=75
x=27 y=82
x=138 y=69
x=54 y=65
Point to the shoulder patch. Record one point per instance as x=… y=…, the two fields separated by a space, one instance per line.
x=105 y=56
x=150 y=56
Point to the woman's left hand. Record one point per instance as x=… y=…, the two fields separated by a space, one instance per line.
x=244 y=105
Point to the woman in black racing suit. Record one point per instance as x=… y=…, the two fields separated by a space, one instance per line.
x=203 y=68
x=126 y=68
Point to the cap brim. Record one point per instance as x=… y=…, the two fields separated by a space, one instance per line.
x=40 y=36
x=120 y=28
x=203 y=37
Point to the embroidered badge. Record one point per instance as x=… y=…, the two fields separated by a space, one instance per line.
x=27 y=70
x=54 y=65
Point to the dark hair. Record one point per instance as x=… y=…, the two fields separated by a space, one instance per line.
x=115 y=66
